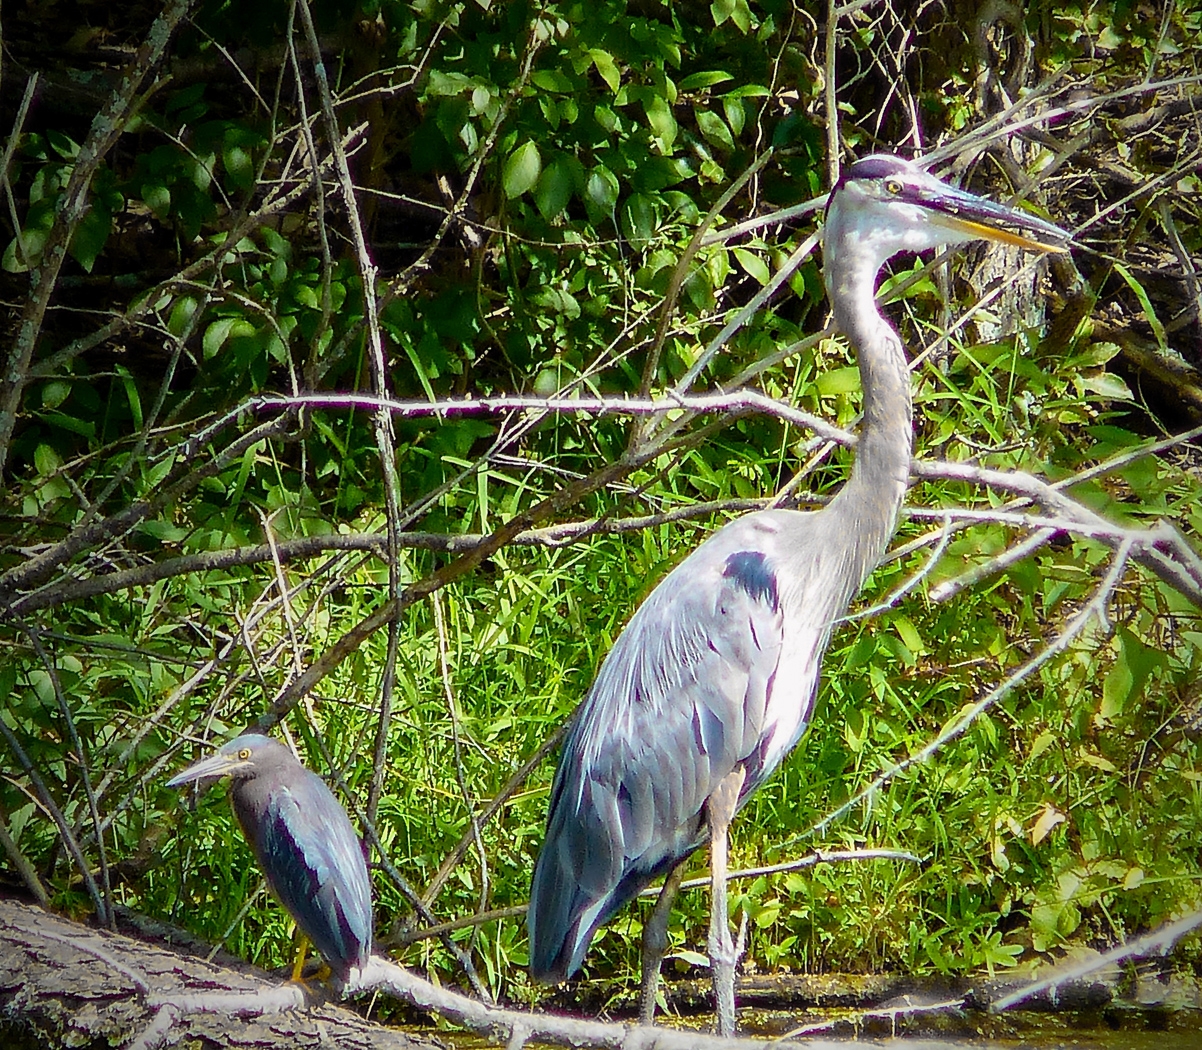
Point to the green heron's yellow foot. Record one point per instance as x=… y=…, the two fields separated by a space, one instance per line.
x=298 y=967
x=323 y=973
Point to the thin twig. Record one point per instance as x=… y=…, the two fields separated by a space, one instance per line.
x=85 y=776
x=838 y=856
x=518 y=778
x=545 y=1028
x=56 y=814
x=681 y=270
x=10 y=149
x=947 y=589
x=381 y=419
x=444 y=666
x=399 y=285
x=735 y=401
x=21 y=863
x=38 y=568
x=745 y=314
x=1158 y=942
x=886 y=1013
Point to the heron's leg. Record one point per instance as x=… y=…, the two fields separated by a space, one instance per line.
x=302 y=950
x=655 y=943
x=720 y=810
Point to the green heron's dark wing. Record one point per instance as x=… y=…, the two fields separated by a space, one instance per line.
x=314 y=863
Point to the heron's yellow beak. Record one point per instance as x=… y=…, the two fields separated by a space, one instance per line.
x=977 y=217
x=997 y=233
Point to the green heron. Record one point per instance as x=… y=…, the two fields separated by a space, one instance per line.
x=303 y=841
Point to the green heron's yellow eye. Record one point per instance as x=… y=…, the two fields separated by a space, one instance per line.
x=244 y=754
x=893 y=186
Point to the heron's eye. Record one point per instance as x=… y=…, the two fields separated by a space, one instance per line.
x=244 y=754
x=893 y=186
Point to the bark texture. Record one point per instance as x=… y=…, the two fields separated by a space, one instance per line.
x=63 y=984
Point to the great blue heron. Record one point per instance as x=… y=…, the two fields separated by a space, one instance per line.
x=713 y=680
x=303 y=841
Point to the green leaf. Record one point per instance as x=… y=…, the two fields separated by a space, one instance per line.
x=1042 y=742
x=838 y=381
x=741 y=16
x=767 y=917
x=748 y=91
x=158 y=199
x=661 y=121
x=721 y=10
x=909 y=634
x=714 y=128
x=189 y=96
x=1133 y=879
x=1109 y=386
x=1145 y=304
x=65 y=147
x=640 y=219
x=736 y=114
x=163 y=531
x=239 y=166
x=55 y=393
x=607 y=119
x=754 y=264
x=216 y=335
x=708 y=78
x=1127 y=676
x=1093 y=355
x=274 y=243
x=200 y=171
x=46 y=460
x=522 y=170
x=84 y=427
x=606 y=68
x=27 y=250
x=182 y=312
x=90 y=237
x=1115 y=691
x=601 y=191
x=554 y=188
x=557 y=300
x=449 y=84
x=132 y=395
x=551 y=80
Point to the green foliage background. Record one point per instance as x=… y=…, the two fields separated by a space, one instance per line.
x=581 y=147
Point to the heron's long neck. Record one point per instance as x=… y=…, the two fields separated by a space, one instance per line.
x=868 y=504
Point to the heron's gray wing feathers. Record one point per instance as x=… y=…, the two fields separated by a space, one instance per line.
x=678 y=703
x=318 y=871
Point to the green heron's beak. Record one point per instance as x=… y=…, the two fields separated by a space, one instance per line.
x=218 y=765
